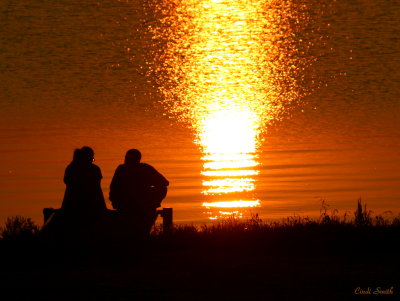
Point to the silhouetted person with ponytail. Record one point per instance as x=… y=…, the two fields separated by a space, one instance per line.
x=83 y=210
x=136 y=191
x=83 y=194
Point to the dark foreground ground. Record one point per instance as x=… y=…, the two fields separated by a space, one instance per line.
x=300 y=262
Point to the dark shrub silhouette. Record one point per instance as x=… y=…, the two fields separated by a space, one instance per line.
x=19 y=227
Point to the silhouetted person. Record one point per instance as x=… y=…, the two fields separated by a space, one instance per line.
x=83 y=210
x=83 y=194
x=137 y=190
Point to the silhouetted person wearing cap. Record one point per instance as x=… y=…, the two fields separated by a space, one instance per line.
x=83 y=194
x=136 y=191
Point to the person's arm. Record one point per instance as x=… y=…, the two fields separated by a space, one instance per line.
x=99 y=176
x=156 y=178
x=114 y=188
x=67 y=175
x=163 y=181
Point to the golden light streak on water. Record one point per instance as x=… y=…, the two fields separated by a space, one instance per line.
x=215 y=164
x=235 y=204
x=228 y=185
x=221 y=68
x=231 y=173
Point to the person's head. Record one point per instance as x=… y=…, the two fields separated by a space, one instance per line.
x=77 y=155
x=133 y=156
x=86 y=154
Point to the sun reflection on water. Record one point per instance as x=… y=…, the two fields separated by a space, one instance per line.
x=221 y=67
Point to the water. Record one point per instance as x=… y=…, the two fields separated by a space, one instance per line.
x=246 y=107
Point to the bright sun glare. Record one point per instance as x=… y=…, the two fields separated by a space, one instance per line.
x=220 y=70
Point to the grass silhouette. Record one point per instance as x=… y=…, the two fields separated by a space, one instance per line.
x=363 y=219
x=300 y=258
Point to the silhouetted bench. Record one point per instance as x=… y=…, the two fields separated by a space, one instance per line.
x=165 y=213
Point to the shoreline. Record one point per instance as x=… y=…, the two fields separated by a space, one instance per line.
x=329 y=259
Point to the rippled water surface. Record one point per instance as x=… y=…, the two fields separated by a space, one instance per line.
x=245 y=106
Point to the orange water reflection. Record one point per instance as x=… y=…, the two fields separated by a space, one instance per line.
x=222 y=69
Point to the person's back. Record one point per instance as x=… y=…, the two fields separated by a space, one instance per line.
x=83 y=192
x=132 y=186
x=137 y=189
